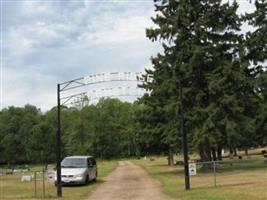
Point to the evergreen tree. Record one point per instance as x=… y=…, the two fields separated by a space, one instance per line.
x=256 y=40
x=256 y=55
x=262 y=113
x=202 y=45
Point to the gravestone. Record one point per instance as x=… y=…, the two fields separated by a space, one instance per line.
x=26 y=178
x=50 y=176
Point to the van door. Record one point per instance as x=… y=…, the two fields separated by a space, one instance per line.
x=90 y=169
x=93 y=168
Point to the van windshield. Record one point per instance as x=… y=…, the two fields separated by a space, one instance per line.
x=74 y=163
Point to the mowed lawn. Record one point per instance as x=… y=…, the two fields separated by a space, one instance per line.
x=11 y=186
x=244 y=180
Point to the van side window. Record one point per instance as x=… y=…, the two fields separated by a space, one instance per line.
x=89 y=162
x=93 y=161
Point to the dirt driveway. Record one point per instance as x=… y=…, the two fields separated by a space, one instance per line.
x=128 y=182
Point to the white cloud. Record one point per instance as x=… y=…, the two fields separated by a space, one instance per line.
x=29 y=86
x=124 y=30
x=31 y=8
x=47 y=42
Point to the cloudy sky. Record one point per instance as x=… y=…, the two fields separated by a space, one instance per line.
x=48 y=42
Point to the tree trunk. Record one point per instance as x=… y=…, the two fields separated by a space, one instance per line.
x=246 y=151
x=231 y=156
x=235 y=151
x=46 y=165
x=170 y=158
x=231 y=150
x=214 y=156
x=219 y=153
x=205 y=156
x=12 y=167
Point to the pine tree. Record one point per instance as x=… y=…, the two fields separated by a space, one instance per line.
x=256 y=40
x=200 y=42
x=256 y=54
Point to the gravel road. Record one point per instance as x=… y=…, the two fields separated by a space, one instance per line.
x=128 y=182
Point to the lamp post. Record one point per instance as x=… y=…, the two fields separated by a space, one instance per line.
x=184 y=134
x=58 y=145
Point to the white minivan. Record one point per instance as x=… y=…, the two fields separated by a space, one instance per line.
x=77 y=170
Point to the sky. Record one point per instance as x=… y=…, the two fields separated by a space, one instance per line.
x=46 y=42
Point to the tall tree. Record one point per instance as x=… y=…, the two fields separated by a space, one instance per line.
x=256 y=54
x=201 y=44
x=43 y=143
x=16 y=129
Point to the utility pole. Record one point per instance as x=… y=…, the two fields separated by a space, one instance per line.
x=58 y=145
x=184 y=134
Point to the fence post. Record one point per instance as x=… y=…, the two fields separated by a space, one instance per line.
x=43 y=183
x=214 y=172
x=35 y=191
x=1 y=188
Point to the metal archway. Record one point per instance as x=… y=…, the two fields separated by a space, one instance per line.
x=99 y=79
x=90 y=80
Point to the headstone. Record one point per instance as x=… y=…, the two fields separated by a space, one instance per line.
x=50 y=176
x=26 y=178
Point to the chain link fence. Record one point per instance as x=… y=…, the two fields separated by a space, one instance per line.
x=25 y=183
x=230 y=172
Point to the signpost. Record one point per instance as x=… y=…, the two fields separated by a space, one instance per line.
x=192 y=169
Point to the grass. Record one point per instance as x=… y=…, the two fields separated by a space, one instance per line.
x=12 y=188
x=244 y=180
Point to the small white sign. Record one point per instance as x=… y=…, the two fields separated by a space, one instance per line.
x=192 y=169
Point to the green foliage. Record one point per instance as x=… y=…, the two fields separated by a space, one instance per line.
x=42 y=142
x=15 y=132
x=203 y=47
x=256 y=54
x=223 y=73
x=104 y=130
